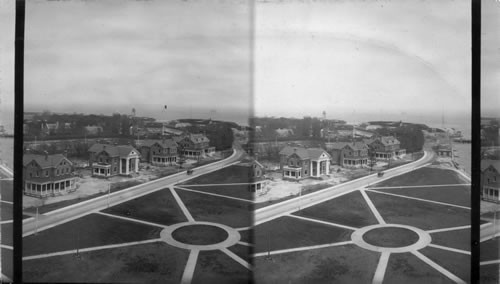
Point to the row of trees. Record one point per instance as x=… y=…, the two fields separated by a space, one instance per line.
x=410 y=135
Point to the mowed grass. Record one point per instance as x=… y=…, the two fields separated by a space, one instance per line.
x=7 y=234
x=147 y=263
x=420 y=214
x=238 y=191
x=89 y=231
x=231 y=174
x=459 y=239
x=7 y=190
x=233 y=213
x=200 y=235
x=490 y=250
x=217 y=267
x=342 y=264
x=246 y=236
x=489 y=273
x=245 y=252
x=391 y=237
x=288 y=232
x=424 y=176
x=7 y=211
x=457 y=263
x=157 y=207
x=349 y=209
x=408 y=269
x=7 y=263
x=453 y=194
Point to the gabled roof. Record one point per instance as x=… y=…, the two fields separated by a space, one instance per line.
x=303 y=153
x=112 y=150
x=335 y=145
x=487 y=163
x=385 y=140
x=198 y=138
x=44 y=161
x=341 y=145
x=165 y=143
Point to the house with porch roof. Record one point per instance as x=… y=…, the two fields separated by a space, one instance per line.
x=386 y=147
x=110 y=160
x=299 y=163
x=47 y=175
x=490 y=180
x=160 y=152
x=348 y=154
x=195 y=146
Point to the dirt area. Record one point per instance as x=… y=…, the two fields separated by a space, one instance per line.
x=88 y=185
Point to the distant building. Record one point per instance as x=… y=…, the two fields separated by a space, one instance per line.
x=299 y=163
x=47 y=175
x=490 y=180
x=284 y=132
x=110 y=160
x=161 y=152
x=444 y=150
x=348 y=154
x=195 y=146
x=386 y=147
x=93 y=130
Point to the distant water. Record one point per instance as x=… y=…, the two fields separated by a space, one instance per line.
x=7 y=151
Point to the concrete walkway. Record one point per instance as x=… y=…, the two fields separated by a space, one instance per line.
x=181 y=205
x=187 y=276
x=419 y=199
x=450 y=249
x=215 y=194
x=420 y=186
x=439 y=268
x=378 y=278
x=449 y=229
x=302 y=248
x=132 y=220
x=237 y=258
x=372 y=207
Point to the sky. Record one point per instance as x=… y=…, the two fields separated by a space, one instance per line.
x=7 y=22
x=490 y=58
x=362 y=60
x=111 y=56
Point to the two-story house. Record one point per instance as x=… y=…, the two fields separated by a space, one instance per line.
x=490 y=180
x=348 y=154
x=195 y=146
x=47 y=175
x=299 y=163
x=158 y=152
x=110 y=160
x=386 y=147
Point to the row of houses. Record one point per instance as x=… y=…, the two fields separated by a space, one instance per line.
x=48 y=175
x=299 y=162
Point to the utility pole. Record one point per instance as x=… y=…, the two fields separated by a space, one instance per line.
x=36 y=220
x=109 y=192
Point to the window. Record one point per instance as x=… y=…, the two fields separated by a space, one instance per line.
x=46 y=173
x=57 y=172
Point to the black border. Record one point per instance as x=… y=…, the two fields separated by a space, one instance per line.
x=476 y=138
x=18 y=139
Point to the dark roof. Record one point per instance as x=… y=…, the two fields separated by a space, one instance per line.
x=389 y=140
x=487 y=163
x=444 y=147
x=165 y=143
x=198 y=138
x=341 y=145
x=45 y=161
x=112 y=150
x=303 y=153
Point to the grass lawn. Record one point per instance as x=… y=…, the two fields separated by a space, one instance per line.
x=242 y=251
x=343 y=264
x=89 y=231
x=7 y=211
x=238 y=191
x=147 y=263
x=7 y=191
x=424 y=176
x=488 y=274
x=420 y=214
x=457 y=195
x=310 y=188
x=409 y=269
x=349 y=209
x=200 y=235
x=456 y=263
x=459 y=239
x=221 y=210
x=288 y=232
x=490 y=250
x=231 y=174
x=217 y=267
x=391 y=237
x=246 y=236
x=7 y=234
x=7 y=261
x=157 y=207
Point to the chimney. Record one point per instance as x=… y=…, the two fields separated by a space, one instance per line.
x=65 y=153
x=46 y=155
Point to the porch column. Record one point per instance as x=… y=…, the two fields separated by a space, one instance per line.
x=136 y=165
x=126 y=166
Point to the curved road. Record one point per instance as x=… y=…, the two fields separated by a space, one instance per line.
x=78 y=210
x=277 y=210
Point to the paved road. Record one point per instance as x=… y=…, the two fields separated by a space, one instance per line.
x=78 y=210
x=274 y=211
